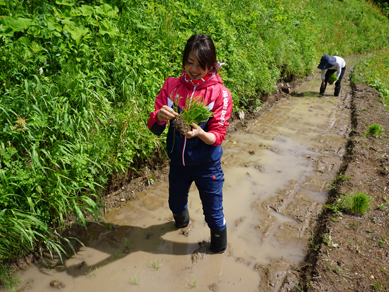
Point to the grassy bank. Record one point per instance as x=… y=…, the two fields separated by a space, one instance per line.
x=374 y=71
x=78 y=79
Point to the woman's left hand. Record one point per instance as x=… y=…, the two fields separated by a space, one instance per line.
x=196 y=131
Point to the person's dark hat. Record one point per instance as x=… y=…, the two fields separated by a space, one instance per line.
x=326 y=62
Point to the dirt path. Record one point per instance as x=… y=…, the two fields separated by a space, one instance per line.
x=279 y=172
x=356 y=258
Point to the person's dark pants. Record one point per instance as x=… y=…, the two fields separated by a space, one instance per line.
x=337 y=83
x=209 y=179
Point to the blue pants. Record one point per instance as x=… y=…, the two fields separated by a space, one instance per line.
x=338 y=82
x=209 y=181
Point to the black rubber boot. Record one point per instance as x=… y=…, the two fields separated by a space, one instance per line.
x=323 y=89
x=219 y=240
x=337 y=91
x=182 y=220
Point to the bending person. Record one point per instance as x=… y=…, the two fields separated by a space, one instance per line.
x=331 y=64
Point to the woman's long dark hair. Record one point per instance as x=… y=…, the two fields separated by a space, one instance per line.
x=204 y=49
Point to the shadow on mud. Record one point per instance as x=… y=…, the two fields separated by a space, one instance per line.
x=310 y=94
x=115 y=242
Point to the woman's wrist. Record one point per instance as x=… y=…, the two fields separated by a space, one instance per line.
x=158 y=119
x=207 y=138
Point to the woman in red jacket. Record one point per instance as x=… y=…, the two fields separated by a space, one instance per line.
x=196 y=155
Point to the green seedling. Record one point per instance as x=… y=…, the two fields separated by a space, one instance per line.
x=344 y=275
x=194 y=283
x=377 y=286
x=116 y=256
x=298 y=287
x=312 y=241
x=90 y=272
x=381 y=243
x=357 y=203
x=375 y=130
x=194 y=111
x=135 y=281
x=128 y=244
x=328 y=241
x=382 y=207
x=336 y=207
x=343 y=177
x=156 y=265
x=332 y=78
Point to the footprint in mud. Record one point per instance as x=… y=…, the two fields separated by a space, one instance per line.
x=199 y=253
x=185 y=231
x=57 y=284
x=213 y=287
x=28 y=286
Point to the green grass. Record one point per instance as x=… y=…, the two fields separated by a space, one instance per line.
x=374 y=71
x=357 y=203
x=375 y=130
x=8 y=280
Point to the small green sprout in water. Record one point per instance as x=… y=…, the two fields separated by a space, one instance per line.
x=156 y=265
x=194 y=282
x=128 y=244
x=116 y=256
x=135 y=281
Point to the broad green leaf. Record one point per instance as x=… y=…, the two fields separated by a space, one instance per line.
x=77 y=32
x=2 y=3
x=6 y=31
x=19 y=24
x=25 y=41
x=107 y=10
x=66 y=2
x=34 y=31
x=107 y=27
x=53 y=24
x=86 y=10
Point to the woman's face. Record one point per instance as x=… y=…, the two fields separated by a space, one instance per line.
x=193 y=68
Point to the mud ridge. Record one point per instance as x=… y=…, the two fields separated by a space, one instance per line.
x=357 y=261
x=308 y=268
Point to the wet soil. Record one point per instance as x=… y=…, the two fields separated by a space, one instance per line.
x=357 y=256
x=180 y=125
x=282 y=164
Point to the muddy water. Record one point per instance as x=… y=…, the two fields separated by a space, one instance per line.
x=278 y=172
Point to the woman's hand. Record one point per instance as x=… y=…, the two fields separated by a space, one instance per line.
x=197 y=131
x=166 y=114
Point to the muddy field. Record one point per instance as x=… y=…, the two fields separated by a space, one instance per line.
x=282 y=165
x=356 y=257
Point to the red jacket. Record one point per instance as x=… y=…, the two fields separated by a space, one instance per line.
x=217 y=98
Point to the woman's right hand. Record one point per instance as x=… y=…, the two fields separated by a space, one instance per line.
x=166 y=113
